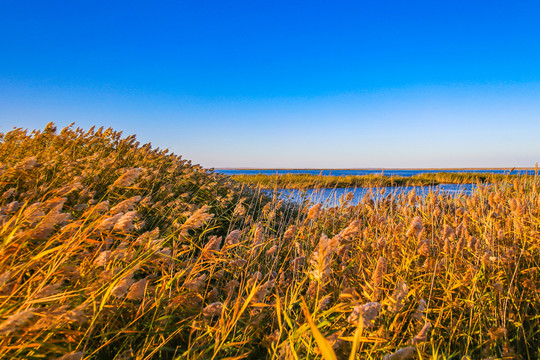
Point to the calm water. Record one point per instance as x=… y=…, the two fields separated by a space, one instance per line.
x=331 y=197
x=362 y=171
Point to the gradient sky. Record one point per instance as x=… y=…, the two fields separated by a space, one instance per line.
x=320 y=84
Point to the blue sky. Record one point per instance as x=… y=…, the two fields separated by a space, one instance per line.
x=341 y=84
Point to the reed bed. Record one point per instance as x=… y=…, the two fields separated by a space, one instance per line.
x=113 y=250
x=309 y=181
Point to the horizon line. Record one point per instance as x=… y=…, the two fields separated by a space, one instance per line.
x=372 y=168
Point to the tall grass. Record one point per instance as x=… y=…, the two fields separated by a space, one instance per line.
x=304 y=181
x=114 y=250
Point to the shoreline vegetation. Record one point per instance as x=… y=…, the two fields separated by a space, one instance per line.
x=308 y=181
x=110 y=249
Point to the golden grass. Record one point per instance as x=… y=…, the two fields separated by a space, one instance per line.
x=114 y=250
x=307 y=181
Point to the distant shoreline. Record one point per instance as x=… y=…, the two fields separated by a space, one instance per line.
x=381 y=169
x=288 y=180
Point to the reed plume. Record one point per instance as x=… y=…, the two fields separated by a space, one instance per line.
x=127 y=178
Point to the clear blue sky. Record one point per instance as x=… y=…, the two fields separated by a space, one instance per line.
x=324 y=84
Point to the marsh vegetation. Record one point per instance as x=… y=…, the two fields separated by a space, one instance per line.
x=310 y=181
x=110 y=249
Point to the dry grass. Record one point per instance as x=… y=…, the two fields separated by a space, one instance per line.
x=308 y=181
x=113 y=250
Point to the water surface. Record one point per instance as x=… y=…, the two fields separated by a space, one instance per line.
x=331 y=197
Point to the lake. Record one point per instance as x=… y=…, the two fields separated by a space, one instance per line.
x=331 y=197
